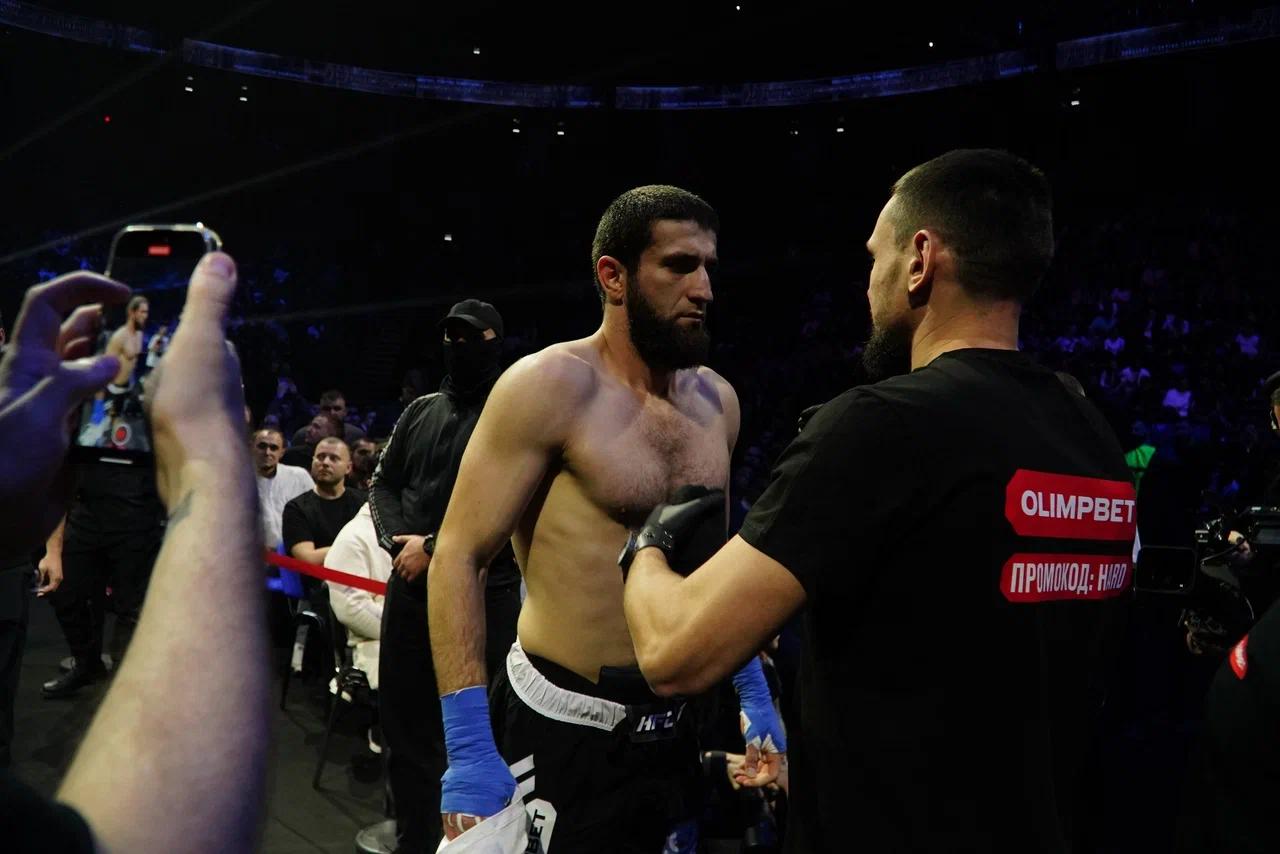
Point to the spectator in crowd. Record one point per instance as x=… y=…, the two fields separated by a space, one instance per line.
x=313 y=519
x=278 y=484
x=323 y=425
x=364 y=458
x=332 y=402
x=289 y=408
x=1178 y=397
x=356 y=550
x=164 y=725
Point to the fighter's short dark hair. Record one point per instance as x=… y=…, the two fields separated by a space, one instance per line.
x=333 y=394
x=626 y=228
x=993 y=209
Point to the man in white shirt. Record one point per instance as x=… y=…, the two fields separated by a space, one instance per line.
x=277 y=484
x=356 y=551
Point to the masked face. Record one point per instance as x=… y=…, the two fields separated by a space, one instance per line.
x=471 y=358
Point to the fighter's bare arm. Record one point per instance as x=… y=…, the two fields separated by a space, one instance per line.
x=525 y=425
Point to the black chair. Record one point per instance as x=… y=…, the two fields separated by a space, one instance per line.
x=352 y=683
x=313 y=613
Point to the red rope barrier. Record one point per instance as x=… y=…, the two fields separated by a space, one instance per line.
x=363 y=582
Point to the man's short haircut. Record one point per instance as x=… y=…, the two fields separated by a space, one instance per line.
x=331 y=395
x=1275 y=396
x=335 y=423
x=275 y=430
x=992 y=208
x=134 y=301
x=334 y=440
x=626 y=228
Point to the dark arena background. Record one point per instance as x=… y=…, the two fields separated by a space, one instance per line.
x=368 y=165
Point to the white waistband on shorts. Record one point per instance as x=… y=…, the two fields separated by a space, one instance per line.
x=540 y=694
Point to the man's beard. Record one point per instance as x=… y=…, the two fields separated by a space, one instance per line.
x=665 y=345
x=888 y=351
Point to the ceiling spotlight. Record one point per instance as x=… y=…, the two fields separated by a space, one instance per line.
x=475 y=51
x=930 y=44
x=559 y=133
x=244 y=88
x=795 y=133
x=739 y=8
x=243 y=98
x=1075 y=102
x=840 y=129
x=189 y=77
x=448 y=238
x=106 y=120
x=515 y=130
x=187 y=89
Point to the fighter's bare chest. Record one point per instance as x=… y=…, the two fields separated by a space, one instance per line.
x=633 y=456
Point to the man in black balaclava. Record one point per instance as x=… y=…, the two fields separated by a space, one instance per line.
x=408 y=496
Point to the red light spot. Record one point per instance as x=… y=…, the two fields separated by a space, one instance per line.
x=106 y=120
x=159 y=250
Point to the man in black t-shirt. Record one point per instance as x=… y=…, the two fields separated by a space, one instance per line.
x=109 y=539
x=312 y=521
x=957 y=537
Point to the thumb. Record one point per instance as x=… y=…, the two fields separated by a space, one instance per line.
x=400 y=538
x=213 y=284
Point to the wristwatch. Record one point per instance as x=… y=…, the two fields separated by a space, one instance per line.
x=429 y=543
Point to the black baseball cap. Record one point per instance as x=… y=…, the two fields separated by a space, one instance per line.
x=477 y=314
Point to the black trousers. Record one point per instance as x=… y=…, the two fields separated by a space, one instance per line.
x=15 y=599
x=409 y=703
x=92 y=561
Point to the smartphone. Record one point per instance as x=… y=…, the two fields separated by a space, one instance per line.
x=155 y=261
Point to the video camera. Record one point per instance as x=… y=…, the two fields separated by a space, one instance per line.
x=1227 y=585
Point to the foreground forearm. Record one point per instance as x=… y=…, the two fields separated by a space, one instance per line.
x=456 y=618
x=175 y=757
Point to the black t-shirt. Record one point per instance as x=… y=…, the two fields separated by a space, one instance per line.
x=31 y=822
x=961 y=533
x=1234 y=792
x=114 y=498
x=318 y=520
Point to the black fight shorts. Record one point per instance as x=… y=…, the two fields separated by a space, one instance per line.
x=607 y=767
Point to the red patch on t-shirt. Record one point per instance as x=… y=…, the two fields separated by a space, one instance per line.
x=1063 y=506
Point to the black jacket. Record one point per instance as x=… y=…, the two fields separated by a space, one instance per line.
x=416 y=472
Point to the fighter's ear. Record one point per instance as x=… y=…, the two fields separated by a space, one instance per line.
x=612 y=277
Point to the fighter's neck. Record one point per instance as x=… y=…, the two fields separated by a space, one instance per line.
x=622 y=361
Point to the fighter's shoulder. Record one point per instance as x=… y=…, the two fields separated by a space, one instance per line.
x=563 y=374
x=710 y=384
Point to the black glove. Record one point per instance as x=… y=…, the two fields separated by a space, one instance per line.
x=695 y=514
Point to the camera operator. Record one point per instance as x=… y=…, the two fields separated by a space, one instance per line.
x=1233 y=785
x=1248 y=571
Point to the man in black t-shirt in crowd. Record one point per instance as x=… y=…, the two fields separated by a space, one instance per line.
x=956 y=536
x=312 y=520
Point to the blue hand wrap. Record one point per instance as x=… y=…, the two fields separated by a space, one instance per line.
x=760 y=724
x=478 y=782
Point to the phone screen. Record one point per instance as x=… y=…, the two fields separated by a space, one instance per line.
x=156 y=263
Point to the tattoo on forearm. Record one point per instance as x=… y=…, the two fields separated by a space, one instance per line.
x=182 y=511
